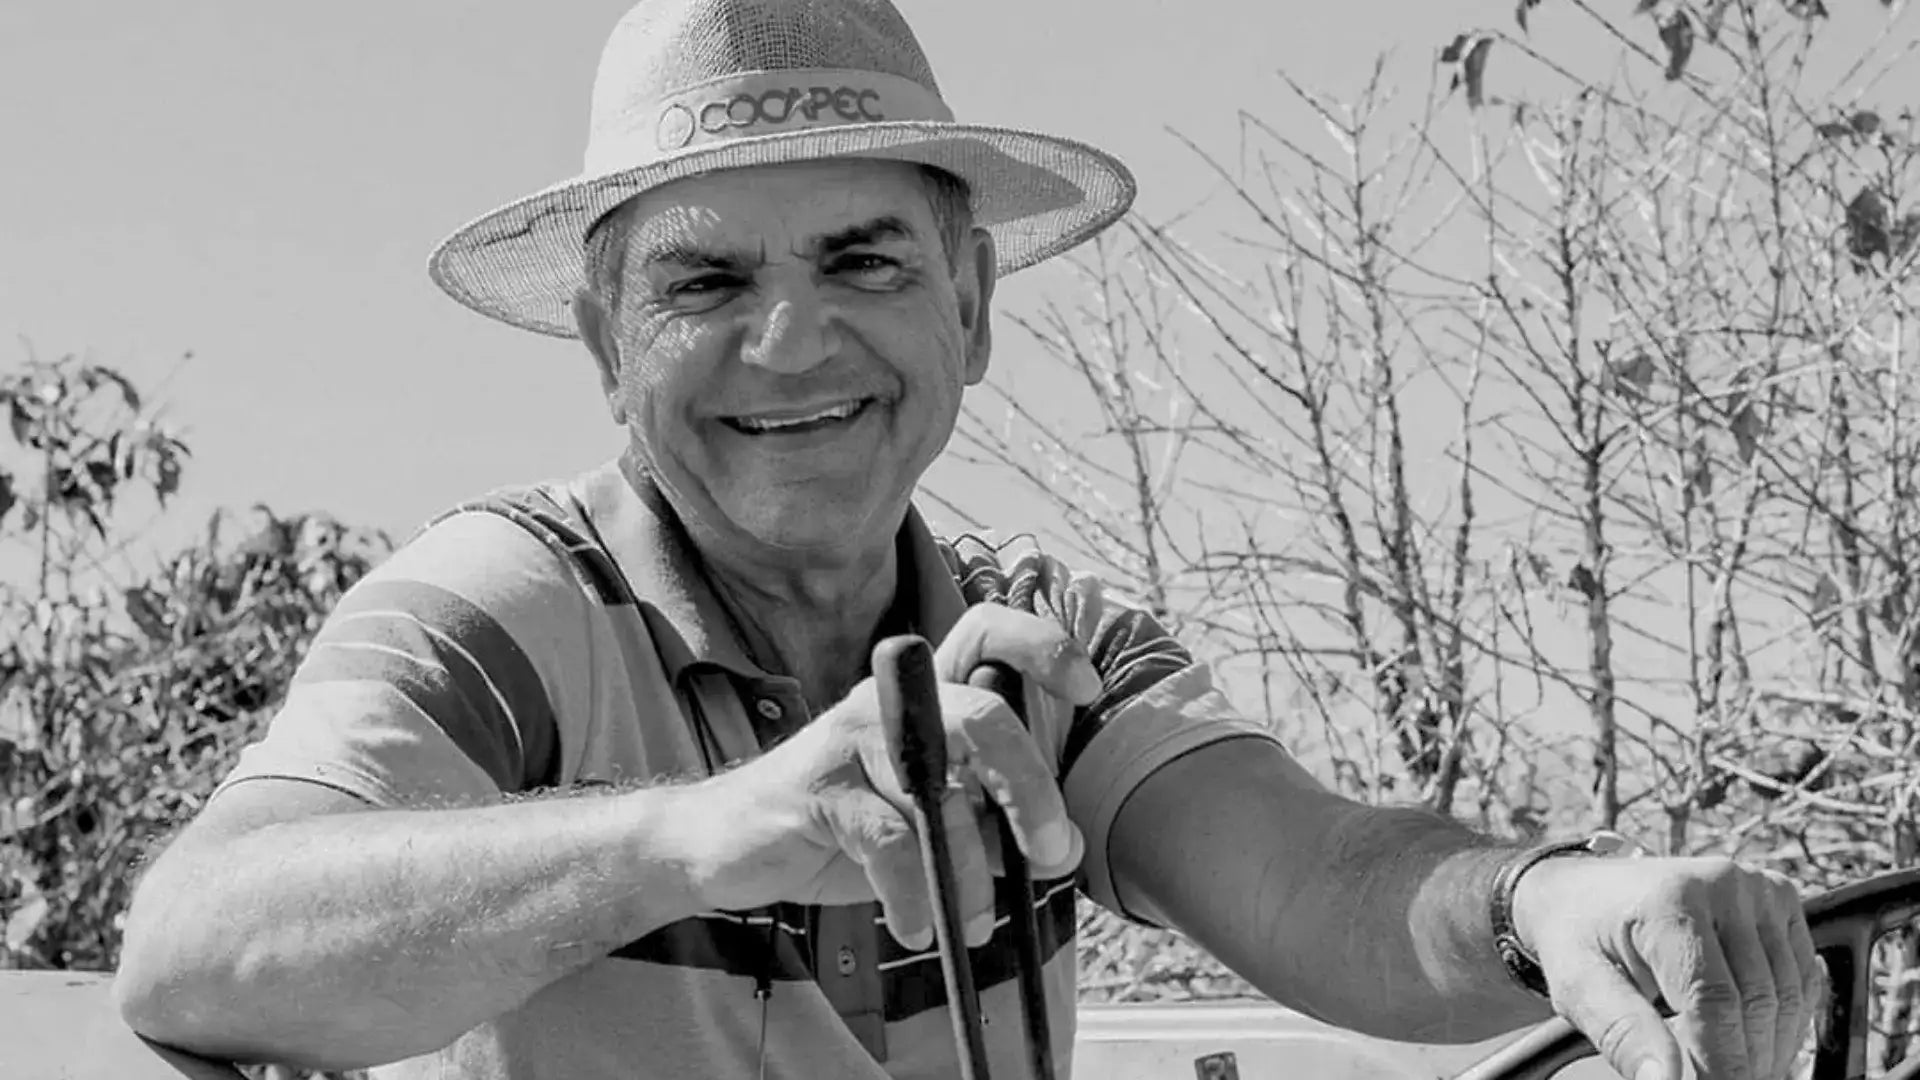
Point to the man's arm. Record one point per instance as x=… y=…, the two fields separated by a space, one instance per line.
x=1370 y=918
x=292 y=924
x=360 y=889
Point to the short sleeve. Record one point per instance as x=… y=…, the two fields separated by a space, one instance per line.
x=1156 y=703
x=444 y=676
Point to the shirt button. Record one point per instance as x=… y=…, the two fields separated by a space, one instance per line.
x=769 y=709
x=846 y=961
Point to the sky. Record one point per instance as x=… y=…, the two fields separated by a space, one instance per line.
x=233 y=203
x=258 y=186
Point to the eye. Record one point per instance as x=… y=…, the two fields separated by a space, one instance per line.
x=705 y=283
x=868 y=268
x=702 y=292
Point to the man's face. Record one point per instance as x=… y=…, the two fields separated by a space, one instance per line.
x=789 y=348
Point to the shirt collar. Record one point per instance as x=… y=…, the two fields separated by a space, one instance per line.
x=640 y=530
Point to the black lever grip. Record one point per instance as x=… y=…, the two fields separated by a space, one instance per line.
x=1003 y=680
x=910 y=708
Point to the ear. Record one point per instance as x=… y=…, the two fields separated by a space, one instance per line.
x=595 y=323
x=974 y=278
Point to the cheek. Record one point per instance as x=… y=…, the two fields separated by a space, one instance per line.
x=659 y=367
x=929 y=345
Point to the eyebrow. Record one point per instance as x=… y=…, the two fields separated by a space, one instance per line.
x=877 y=231
x=688 y=256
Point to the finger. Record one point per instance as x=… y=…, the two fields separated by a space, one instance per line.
x=880 y=839
x=971 y=871
x=1779 y=905
x=1744 y=945
x=1600 y=1001
x=1038 y=648
x=987 y=741
x=1694 y=976
x=1814 y=983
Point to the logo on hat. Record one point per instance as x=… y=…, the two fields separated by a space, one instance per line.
x=676 y=127
x=741 y=107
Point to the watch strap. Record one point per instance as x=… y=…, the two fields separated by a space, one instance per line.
x=1521 y=964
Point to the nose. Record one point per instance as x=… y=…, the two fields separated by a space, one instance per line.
x=792 y=333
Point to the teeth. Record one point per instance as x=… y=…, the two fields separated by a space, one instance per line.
x=838 y=412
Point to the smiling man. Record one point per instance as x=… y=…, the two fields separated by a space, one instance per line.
x=590 y=778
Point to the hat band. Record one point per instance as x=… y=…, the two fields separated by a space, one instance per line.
x=762 y=103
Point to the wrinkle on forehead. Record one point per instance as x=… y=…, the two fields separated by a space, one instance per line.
x=691 y=212
x=822 y=219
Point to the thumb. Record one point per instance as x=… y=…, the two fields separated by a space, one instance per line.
x=1040 y=649
x=1603 y=1004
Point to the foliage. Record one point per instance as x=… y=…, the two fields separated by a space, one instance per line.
x=1541 y=451
x=124 y=696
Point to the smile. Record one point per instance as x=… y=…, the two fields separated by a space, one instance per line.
x=796 y=423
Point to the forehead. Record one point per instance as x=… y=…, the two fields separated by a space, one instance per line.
x=781 y=207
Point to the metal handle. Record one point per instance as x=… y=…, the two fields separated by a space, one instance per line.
x=1004 y=681
x=910 y=706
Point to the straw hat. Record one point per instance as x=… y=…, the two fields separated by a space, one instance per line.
x=690 y=86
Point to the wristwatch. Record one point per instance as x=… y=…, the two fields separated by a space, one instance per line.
x=1521 y=964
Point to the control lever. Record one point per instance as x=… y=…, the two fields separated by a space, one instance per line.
x=1003 y=680
x=910 y=708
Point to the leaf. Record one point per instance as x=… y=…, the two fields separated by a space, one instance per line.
x=104 y=476
x=1520 y=13
x=1747 y=429
x=1634 y=373
x=1868 y=225
x=1677 y=34
x=22 y=422
x=1542 y=570
x=1824 y=598
x=26 y=921
x=1455 y=49
x=167 y=477
x=1700 y=475
x=1906 y=234
x=127 y=392
x=144 y=609
x=1715 y=18
x=1475 y=69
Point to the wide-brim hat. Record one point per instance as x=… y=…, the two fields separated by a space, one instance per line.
x=687 y=87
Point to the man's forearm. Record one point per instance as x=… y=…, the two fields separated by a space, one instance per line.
x=1417 y=962
x=343 y=940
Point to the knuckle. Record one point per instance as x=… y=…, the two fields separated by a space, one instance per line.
x=1715 y=996
x=1614 y=1037
x=1759 y=1000
x=1789 y=1001
x=1720 y=870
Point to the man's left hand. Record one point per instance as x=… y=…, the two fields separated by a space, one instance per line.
x=1726 y=945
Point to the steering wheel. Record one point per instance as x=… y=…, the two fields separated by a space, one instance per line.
x=1845 y=923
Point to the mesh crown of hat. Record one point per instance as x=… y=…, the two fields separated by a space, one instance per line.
x=1037 y=194
x=663 y=46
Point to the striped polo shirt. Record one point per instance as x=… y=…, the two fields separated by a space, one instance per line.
x=560 y=635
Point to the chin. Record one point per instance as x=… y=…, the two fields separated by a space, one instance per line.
x=813 y=525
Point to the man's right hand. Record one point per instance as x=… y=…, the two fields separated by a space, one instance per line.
x=822 y=818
